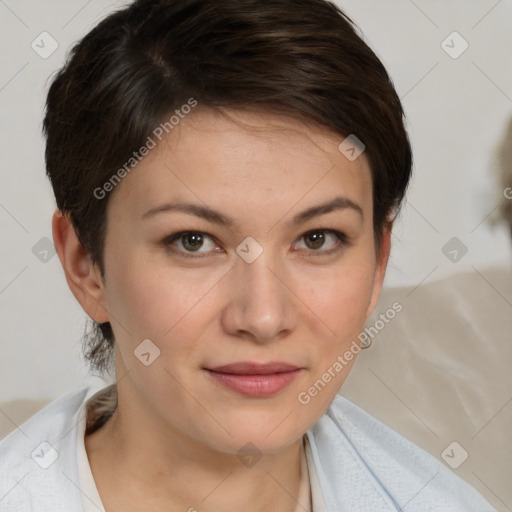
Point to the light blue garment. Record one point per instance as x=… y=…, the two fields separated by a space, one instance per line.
x=356 y=464
x=364 y=466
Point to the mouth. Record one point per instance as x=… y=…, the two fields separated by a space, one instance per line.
x=255 y=380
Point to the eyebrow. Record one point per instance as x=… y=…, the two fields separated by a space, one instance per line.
x=213 y=216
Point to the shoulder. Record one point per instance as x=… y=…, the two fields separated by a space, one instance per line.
x=359 y=458
x=38 y=459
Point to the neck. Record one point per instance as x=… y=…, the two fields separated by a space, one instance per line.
x=170 y=471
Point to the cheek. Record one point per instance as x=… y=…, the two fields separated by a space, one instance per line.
x=341 y=304
x=340 y=298
x=157 y=300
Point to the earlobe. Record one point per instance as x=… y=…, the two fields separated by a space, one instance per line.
x=83 y=278
x=380 y=268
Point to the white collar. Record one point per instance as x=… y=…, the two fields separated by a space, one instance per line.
x=91 y=500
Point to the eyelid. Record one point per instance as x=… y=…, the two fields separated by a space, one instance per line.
x=176 y=236
x=342 y=241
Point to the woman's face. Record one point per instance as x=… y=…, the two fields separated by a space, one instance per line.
x=257 y=281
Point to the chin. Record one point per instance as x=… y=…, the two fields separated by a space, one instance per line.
x=269 y=433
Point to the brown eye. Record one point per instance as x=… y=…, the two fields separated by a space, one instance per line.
x=192 y=241
x=186 y=243
x=323 y=241
x=317 y=239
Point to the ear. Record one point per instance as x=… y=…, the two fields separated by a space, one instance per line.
x=380 y=267
x=83 y=278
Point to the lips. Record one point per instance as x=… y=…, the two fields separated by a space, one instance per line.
x=247 y=368
x=254 y=380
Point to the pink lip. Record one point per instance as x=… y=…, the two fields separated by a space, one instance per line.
x=248 y=368
x=256 y=380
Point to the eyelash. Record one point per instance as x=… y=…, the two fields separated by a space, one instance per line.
x=342 y=241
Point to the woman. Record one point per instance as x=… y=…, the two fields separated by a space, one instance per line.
x=226 y=176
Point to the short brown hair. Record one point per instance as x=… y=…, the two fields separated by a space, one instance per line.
x=302 y=58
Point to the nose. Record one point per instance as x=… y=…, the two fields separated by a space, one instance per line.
x=261 y=306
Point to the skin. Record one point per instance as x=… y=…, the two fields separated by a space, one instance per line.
x=172 y=443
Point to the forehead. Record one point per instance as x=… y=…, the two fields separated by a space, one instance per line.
x=266 y=163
